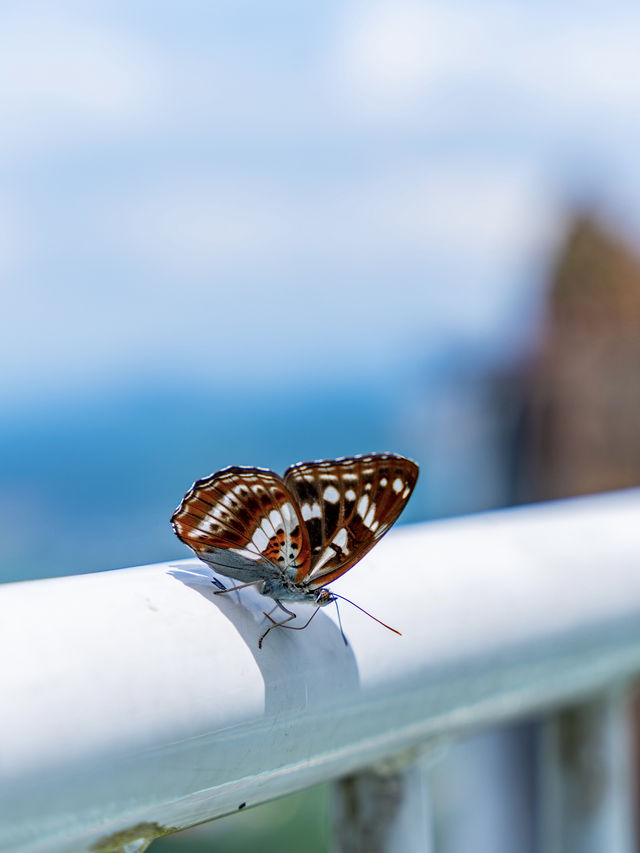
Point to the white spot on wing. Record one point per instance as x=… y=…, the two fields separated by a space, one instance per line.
x=311 y=511
x=289 y=516
x=363 y=505
x=383 y=482
x=331 y=494
x=340 y=539
x=260 y=539
x=397 y=485
x=370 y=516
x=327 y=554
x=350 y=495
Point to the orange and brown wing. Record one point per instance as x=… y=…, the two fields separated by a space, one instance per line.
x=347 y=505
x=243 y=522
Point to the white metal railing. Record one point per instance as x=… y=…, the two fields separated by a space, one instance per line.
x=135 y=701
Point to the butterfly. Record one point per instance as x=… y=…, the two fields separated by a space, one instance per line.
x=294 y=534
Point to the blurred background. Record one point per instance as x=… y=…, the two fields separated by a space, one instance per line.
x=255 y=233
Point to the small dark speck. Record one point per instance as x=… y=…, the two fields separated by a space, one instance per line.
x=241 y=806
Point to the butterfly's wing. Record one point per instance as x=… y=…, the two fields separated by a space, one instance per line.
x=244 y=523
x=347 y=506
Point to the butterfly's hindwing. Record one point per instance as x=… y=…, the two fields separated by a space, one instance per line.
x=244 y=523
x=347 y=506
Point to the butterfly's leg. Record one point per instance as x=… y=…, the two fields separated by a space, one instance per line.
x=283 y=624
x=275 y=624
x=279 y=606
x=219 y=584
x=231 y=588
x=275 y=607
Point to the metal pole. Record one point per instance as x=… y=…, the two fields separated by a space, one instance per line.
x=482 y=792
x=586 y=790
x=383 y=810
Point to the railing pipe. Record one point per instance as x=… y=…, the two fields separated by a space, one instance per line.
x=135 y=701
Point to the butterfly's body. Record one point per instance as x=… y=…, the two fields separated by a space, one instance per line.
x=281 y=589
x=297 y=533
x=277 y=582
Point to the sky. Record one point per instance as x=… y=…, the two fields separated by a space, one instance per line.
x=247 y=194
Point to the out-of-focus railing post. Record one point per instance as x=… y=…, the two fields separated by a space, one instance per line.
x=488 y=777
x=586 y=790
x=385 y=809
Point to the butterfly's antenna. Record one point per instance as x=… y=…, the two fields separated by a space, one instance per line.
x=340 y=622
x=375 y=619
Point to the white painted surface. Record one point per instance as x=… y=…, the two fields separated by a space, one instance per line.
x=138 y=696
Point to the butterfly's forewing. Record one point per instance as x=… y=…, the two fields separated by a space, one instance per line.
x=243 y=522
x=347 y=506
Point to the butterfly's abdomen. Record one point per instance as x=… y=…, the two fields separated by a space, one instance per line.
x=278 y=587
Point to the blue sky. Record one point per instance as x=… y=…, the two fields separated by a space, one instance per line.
x=252 y=193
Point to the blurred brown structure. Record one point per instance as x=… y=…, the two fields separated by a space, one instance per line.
x=581 y=417
x=580 y=430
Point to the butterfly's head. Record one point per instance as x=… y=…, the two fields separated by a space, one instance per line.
x=323 y=596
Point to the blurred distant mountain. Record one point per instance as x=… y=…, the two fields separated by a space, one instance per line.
x=91 y=485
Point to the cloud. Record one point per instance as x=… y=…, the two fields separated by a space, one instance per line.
x=458 y=205
x=63 y=78
x=203 y=276
x=13 y=238
x=196 y=227
x=432 y=64
x=379 y=178
x=391 y=53
x=593 y=66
